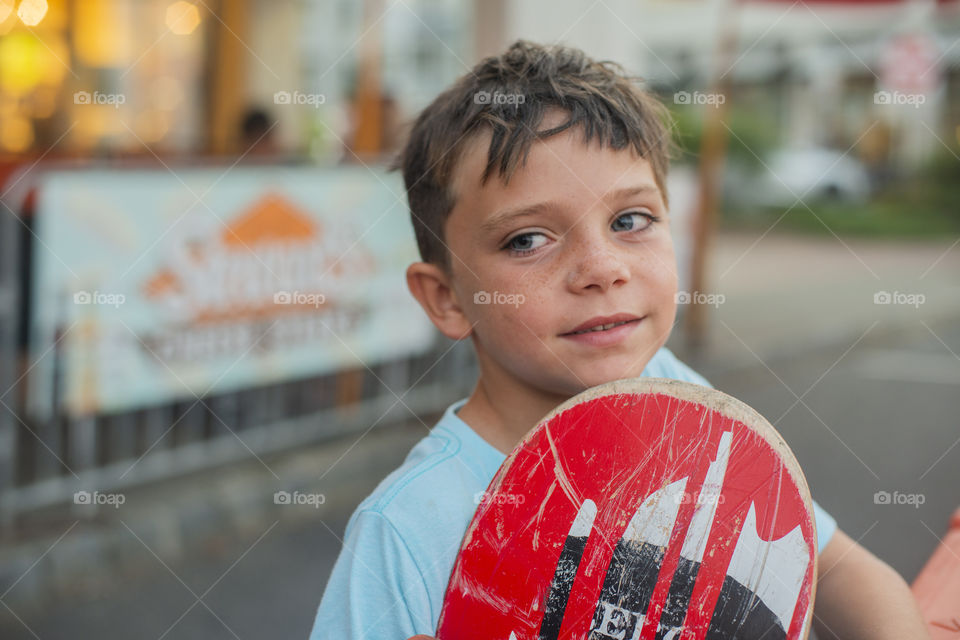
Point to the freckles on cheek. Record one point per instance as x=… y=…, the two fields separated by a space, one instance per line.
x=660 y=269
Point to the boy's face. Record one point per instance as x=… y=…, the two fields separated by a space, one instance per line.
x=587 y=251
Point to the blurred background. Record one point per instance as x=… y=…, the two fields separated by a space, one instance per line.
x=195 y=392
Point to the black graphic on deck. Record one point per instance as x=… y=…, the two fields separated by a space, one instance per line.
x=626 y=592
x=635 y=566
x=678 y=598
x=739 y=613
x=567 y=565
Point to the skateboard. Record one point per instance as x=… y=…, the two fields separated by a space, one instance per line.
x=644 y=508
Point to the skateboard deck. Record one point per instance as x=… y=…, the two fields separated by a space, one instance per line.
x=640 y=508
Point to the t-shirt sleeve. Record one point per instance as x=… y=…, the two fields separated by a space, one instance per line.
x=376 y=589
x=826 y=526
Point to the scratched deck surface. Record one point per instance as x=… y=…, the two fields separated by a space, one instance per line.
x=643 y=508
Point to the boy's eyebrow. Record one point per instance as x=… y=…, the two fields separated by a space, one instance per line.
x=501 y=218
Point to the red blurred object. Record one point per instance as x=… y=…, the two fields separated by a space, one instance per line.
x=937 y=587
x=847 y=2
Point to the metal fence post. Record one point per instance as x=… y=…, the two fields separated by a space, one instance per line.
x=9 y=258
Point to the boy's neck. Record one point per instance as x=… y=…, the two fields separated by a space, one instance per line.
x=504 y=422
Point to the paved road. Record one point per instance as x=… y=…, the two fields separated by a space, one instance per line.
x=879 y=417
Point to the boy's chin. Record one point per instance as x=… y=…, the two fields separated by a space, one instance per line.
x=590 y=379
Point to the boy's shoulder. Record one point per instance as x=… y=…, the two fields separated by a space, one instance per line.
x=666 y=365
x=438 y=482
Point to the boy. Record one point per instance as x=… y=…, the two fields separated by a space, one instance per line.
x=536 y=188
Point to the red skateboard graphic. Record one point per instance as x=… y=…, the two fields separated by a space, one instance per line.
x=642 y=508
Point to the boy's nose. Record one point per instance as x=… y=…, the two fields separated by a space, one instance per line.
x=599 y=269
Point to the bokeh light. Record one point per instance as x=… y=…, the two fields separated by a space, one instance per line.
x=31 y=12
x=16 y=134
x=6 y=8
x=182 y=18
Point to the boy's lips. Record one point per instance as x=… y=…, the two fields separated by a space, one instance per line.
x=624 y=326
x=605 y=337
x=597 y=322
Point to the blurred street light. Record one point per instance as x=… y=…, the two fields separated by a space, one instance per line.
x=31 y=12
x=182 y=18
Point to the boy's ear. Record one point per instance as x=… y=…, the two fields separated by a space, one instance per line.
x=431 y=286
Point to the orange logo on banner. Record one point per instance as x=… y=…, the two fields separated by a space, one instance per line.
x=272 y=219
x=272 y=258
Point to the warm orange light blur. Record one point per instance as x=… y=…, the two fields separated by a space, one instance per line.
x=31 y=12
x=100 y=35
x=182 y=18
x=26 y=62
x=166 y=93
x=16 y=134
x=20 y=54
x=152 y=126
x=44 y=102
x=6 y=8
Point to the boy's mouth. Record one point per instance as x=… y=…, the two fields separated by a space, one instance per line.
x=602 y=323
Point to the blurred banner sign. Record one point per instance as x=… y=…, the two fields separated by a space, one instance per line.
x=151 y=286
x=910 y=64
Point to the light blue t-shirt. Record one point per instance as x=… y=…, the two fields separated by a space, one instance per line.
x=401 y=542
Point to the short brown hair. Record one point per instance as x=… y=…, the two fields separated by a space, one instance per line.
x=598 y=96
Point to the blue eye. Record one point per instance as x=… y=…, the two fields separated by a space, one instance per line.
x=523 y=244
x=649 y=218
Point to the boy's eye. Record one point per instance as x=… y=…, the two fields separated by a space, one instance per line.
x=525 y=243
x=640 y=221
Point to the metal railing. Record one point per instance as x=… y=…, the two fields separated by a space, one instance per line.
x=45 y=464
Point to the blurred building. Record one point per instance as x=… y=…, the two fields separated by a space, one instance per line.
x=108 y=77
x=814 y=68
x=137 y=77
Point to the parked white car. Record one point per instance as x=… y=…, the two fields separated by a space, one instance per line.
x=811 y=174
